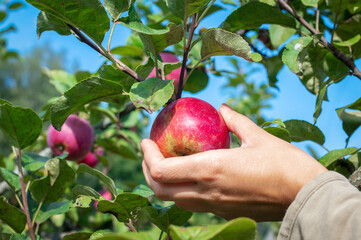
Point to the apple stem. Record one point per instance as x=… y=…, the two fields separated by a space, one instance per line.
x=187 y=47
x=23 y=194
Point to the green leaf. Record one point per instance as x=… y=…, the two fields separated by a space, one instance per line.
x=16 y=5
x=178 y=7
x=273 y=65
x=128 y=50
x=278 y=34
x=108 y=72
x=310 y=3
x=21 y=126
x=143 y=190
x=61 y=80
x=11 y=178
x=48 y=210
x=107 y=181
x=151 y=234
x=151 y=94
x=218 y=42
x=87 y=15
x=161 y=41
x=17 y=236
x=320 y=97
x=12 y=216
x=239 y=228
x=33 y=162
x=89 y=90
x=77 y=236
x=277 y=121
x=118 y=146
x=349 y=42
x=292 y=50
x=254 y=14
x=197 y=81
x=51 y=187
x=279 y=132
x=116 y=7
x=351 y=120
x=124 y=207
x=334 y=155
x=302 y=131
x=47 y=22
x=134 y=22
x=79 y=190
x=164 y=217
x=2 y=15
x=82 y=201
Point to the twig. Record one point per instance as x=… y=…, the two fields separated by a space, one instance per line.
x=337 y=53
x=185 y=55
x=317 y=19
x=131 y=226
x=23 y=194
x=121 y=66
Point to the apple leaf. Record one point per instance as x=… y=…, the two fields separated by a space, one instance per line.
x=108 y=72
x=21 y=126
x=10 y=178
x=89 y=90
x=254 y=14
x=239 y=228
x=81 y=190
x=107 y=181
x=2 y=15
x=51 y=187
x=151 y=94
x=334 y=155
x=279 y=132
x=87 y=15
x=197 y=81
x=32 y=162
x=124 y=207
x=153 y=233
x=161 y=41
x=164 y=217
x=118 y=146
x=143 y=190
x=135 y=23
x=77 y=236
x=51 y=209
x=116 y=7
x=60 y=79
x=218 y=42
x=178 y=7
x=47 y=22
x=310 y=3
x=128 y=50
x=278 y=34
x=292 y=50
x=302 y=131
x=12 y=216
x=320 y=97
x=351 y=120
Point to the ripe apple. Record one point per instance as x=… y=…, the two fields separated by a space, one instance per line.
x=187 y=126
x=106 y=195
x=91 y=159
x=75 y=137
x=168 y=57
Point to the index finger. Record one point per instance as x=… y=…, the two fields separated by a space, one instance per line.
x=192 y=168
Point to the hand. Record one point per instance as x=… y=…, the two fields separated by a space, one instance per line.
x=259 y=180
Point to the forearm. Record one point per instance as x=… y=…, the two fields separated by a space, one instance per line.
x=327 y=207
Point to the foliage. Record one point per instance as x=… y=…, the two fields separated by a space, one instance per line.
x=114 y=99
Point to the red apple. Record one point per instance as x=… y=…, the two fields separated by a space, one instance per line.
x=187 y=126
x=91 y=159
x=168 y=57
x=76 y=137
x=106 y=195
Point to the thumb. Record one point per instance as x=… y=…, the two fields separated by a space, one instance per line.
x=239 y=124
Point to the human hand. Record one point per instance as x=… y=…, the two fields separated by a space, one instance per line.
x=259 y=180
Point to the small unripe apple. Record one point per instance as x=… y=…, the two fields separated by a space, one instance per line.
x=187 y=126
x=106 y=195
x=168 y=57
x=76 y=137
x=91 y=159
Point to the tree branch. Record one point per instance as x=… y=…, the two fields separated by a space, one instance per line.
x=120 y=65
x=337 y=53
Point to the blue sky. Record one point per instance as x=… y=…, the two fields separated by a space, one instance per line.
x=292 y=101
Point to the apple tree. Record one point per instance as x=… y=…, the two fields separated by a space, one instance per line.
x=317 y=40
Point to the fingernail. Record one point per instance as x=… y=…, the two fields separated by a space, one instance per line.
x=226 y=106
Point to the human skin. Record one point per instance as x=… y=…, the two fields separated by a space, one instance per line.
x=259 y=180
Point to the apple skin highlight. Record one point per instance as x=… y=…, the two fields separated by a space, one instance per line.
x=75 y=137
x=187 y=126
